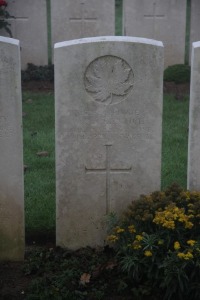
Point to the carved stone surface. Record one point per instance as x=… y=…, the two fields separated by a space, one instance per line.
x=11 y=149
x=108 y=100
x=29 y=25
x=73 y=19
x=194 y=24
x=162 y=20
x=109 y=79
x=194 y=122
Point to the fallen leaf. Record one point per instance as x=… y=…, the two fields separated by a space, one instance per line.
x=29 y=101
x=111 y=265
x=43 y=153
x=85 y=278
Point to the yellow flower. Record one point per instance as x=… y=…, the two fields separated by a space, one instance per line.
x=131 y=229
x=136 y=245
x=180 y=255
x=160 y=242
x=189 y=255
x=191 y=242
x=148 y=253
x=186 y=256
x=139 y=237
x=112 y=238
x=188 y=225
x=119 y=230
x=177 y=246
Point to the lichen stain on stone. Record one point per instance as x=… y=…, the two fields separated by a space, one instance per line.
x=11 y=231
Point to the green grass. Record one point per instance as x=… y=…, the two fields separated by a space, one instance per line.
x=40 y=176
x=175 y=141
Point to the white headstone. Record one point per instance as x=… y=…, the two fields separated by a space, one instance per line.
x=30 y=27
x=194 y=23
x=108 y=131
x=163 y=20
x=194 y=121
x=11 y=158
x=73 y=19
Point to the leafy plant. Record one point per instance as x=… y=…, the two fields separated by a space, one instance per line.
x=4 y=16
x=34 y=72
x=66 y=275
x=158 y=244
x=177 y=73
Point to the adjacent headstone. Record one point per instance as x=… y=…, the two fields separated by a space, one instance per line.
x=11 y=158
x=108 y=94
x=163 y=20
x=194 y=23
x=30 y=27
x=194 y=121
x=73 y=19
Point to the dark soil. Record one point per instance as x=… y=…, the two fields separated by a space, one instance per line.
x=38 y=86
x=179 y=90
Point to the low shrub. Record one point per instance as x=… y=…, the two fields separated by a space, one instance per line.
x=177 y=73
x=37 y=73
x=158 y=244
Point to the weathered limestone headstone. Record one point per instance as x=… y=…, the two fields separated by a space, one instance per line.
x=194 y=23
x=163 y=20
x=30 y=27
x=194 y=121
x=108 y=131
x=73 y=19
x=11 y=158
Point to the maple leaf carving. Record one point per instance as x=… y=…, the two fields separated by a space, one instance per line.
x=108 y=79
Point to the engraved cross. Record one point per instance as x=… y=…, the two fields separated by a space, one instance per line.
x=108 y=171
x=154 y=16
x=83 y=19
x=16 y=19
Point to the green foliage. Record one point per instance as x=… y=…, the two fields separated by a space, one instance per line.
x=158 y=244
x=38 y=73
x=59 y=275
x=177 y=73
x=4 y=16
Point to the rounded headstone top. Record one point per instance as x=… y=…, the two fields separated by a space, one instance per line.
x=103 y=39
x=9 y=40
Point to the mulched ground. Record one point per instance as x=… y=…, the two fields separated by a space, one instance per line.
x=38 y=86
x=13 y=282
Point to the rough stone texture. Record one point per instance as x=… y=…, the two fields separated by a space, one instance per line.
x=194 y=121
x=108 y=131
x=11 y=158
x=161 y=20
x=73 y=19
x=30 y=27
x=194 y=23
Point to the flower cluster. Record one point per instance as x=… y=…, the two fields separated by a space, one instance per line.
x=158 y=237
x=3 y=3
x=172 y=215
